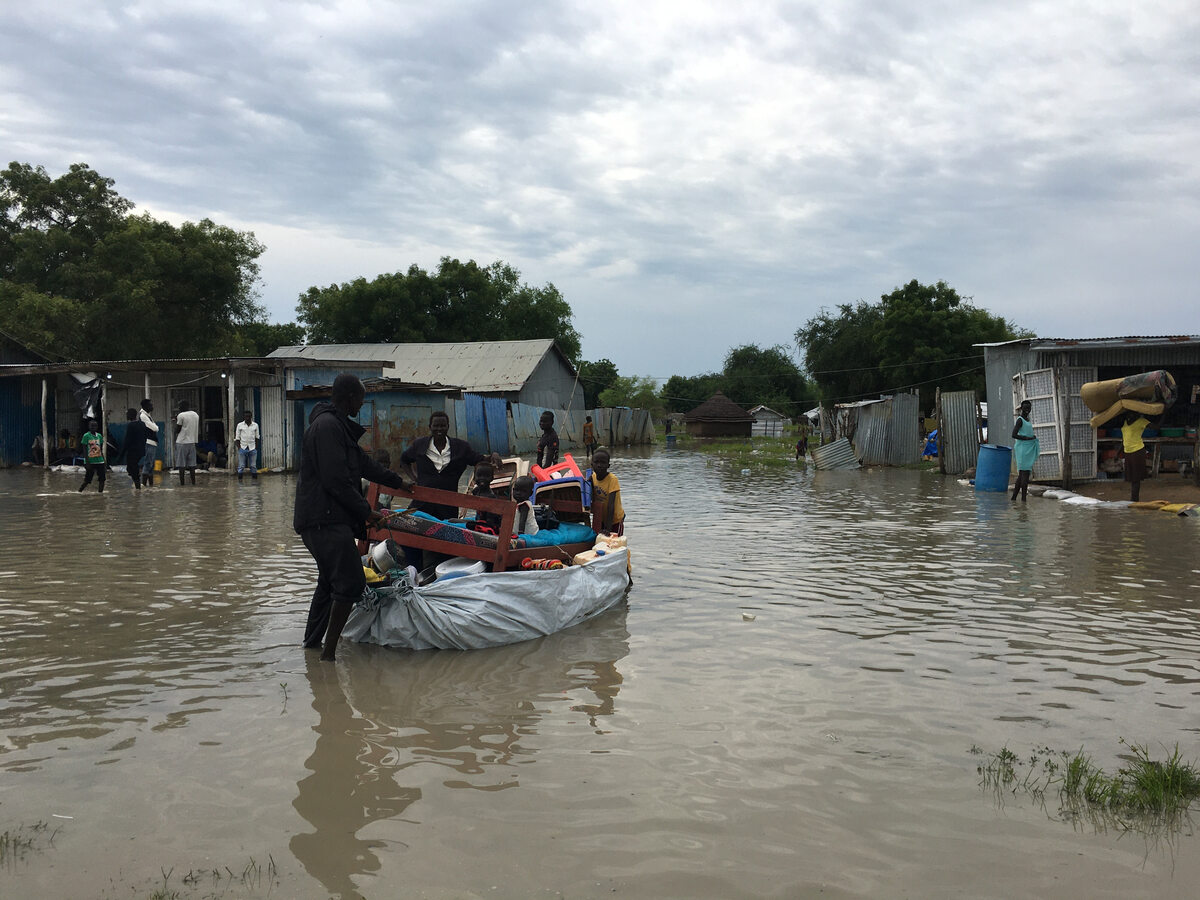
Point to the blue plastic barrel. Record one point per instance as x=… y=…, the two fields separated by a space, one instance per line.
x=670 y=440
x=992 y=468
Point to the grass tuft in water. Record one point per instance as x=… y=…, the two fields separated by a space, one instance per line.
x=17 y=843
x=1143 y=792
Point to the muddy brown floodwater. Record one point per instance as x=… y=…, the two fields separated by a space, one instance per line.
x=157 y=712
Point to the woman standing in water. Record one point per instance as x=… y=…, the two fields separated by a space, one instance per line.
x=1026 y=450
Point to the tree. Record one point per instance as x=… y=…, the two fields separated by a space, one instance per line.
x=134 y=286
x=260 y=338
x=770 y=377
x=634 y=391
x=918 y=336
x=595 y=378
x=684 y=393
x=459 y=302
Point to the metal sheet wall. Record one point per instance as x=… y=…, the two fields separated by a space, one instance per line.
x=495 y=412
x=19 y=422
x=958 y=431
x=837 y=454
x=273 y=448
x=886 y=433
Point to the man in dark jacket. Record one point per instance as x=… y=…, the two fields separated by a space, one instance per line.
x=331 y=511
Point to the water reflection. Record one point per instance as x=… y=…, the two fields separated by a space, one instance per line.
x=899 y=618
x=386 y=716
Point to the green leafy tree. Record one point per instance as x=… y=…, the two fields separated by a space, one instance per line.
x=754 y=375
x=260 y=338
x=50 y=326
x=459 y=302
x=135 y=286
x=681 y=393
x=595 y=378
x=918 y=336
x=635 y=391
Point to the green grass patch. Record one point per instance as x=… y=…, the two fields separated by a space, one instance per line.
x=749 y=452
x=1143 y=793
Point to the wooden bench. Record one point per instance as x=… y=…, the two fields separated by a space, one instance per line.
x=501 y=557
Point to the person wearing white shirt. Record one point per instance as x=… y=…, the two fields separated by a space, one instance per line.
x=146 y=417
x=187 y=432
x=245 y=439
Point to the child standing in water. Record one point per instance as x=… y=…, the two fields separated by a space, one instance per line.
x=1026 y=450
x=606 y=495
x=92 y=445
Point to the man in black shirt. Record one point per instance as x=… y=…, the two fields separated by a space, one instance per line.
x=548 y=443
x=331 y=511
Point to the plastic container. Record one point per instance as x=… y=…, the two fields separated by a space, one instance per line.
x=459 y=566
x=567 y=467
x=992 y=468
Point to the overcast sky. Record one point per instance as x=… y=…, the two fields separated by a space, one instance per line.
x=691 y=175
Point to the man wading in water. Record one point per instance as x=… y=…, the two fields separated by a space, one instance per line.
x=331 y=511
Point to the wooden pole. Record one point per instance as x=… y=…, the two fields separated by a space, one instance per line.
x=104 y=417
x=231 y=422
x=45 y=428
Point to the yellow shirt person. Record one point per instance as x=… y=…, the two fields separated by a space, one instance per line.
x=606 y=495
x=1131 y=434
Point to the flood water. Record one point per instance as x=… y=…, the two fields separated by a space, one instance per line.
x=157 y=711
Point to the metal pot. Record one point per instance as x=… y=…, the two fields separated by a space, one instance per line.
x=383 y=556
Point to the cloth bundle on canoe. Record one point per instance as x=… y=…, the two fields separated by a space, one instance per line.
x=487 y=610
x=1147 y=394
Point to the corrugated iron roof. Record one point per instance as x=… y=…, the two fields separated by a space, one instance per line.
x=1169 y=340
x=206 y=363
x=474 y=366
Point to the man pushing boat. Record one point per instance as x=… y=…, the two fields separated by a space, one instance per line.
x=331 y=511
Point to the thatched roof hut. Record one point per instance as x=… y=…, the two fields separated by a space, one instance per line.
x=718 y=416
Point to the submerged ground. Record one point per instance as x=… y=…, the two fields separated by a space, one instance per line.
x=787 y=706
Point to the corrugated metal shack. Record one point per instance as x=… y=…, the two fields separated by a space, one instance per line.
x=768 y=422
x=494 y=393
x=396 y=412
x=884 y=432
x=533 y=373
x=958 y=431
x=219 y=389
x=1051 y=370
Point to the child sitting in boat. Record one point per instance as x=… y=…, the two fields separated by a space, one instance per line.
x=526 y=521
x=606 y=495
x=484 y=472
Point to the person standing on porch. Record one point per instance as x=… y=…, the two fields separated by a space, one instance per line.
x=1134 y=446
x=246 y=440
